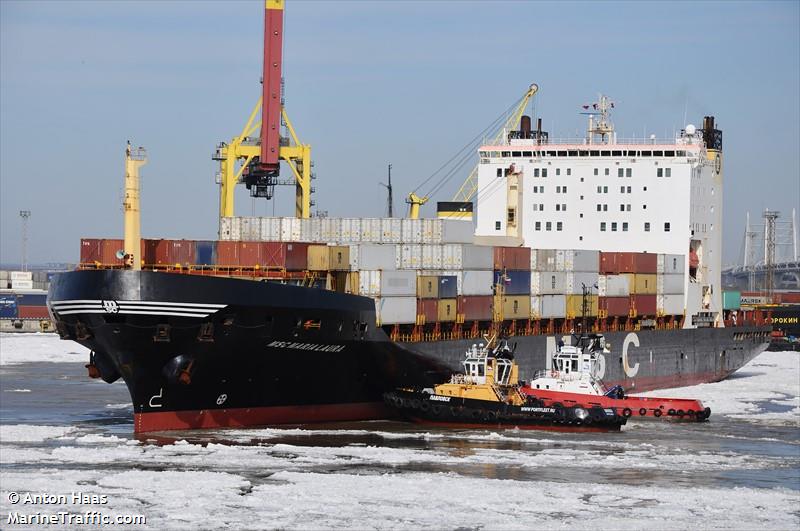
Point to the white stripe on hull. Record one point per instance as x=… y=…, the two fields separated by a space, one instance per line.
x=180 y=309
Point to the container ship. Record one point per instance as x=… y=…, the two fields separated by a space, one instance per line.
x=293 y=320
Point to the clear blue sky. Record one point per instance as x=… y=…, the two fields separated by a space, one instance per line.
x=367 y=83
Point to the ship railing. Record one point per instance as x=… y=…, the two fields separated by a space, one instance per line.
x=583 y=141
x=544 y=374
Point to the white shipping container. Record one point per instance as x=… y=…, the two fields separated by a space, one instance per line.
x=4 y=275
x=396 y=310
x=250 y=229
x=351 y=230
x=671 y=263
x=545 y=260
x=269 y=230
x=577 y=280
x=21 y=275
x=552 y=306
x=369 y=283
x=432 y=256
x=452 y=256
x=377 y=256
x=670 y=284
x=290 y=229
x=477 y=282
x=670 y=304
x=432 y=230
x=457 y=231
x=548 y=282
x=354 y=252
x=613 y=286
x=230 y=229
x=391 y=230
x=398 y=284
x=331 y=230
x=410 y=256
x=21 y=284
x=477 y=257
x=371 y=230
x=581 y=261
x=411 y=231
x=560 y=259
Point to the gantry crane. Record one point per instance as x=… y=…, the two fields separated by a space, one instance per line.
x=258 y=158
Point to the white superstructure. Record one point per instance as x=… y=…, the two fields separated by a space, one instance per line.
x=654 y=196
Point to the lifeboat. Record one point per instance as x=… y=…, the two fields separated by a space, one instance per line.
x=572 y=381
x=488 y=395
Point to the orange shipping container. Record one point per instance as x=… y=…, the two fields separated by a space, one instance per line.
x=33 y=312
x=228 y=254
x=512 y=258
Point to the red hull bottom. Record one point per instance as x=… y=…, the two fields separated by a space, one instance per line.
x=257 y=416
x=630 y=406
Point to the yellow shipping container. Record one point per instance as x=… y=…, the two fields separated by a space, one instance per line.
x=318 y=258
x=447 y=310
x=428 y=287
x=339 y=258
x=517 y=307
x=575 y=306
x=645 y=284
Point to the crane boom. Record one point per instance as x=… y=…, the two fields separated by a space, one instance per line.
x=271 y=86
x=470 y=187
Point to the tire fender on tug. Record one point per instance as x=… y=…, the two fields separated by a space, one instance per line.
x=643 y=412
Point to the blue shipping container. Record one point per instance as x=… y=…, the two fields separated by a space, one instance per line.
x=8 y=307
x=448 y=287
x=515 y=282
x=206 y=252
x=32 y=300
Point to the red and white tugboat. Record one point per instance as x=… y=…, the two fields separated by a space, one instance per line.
x=571 y=381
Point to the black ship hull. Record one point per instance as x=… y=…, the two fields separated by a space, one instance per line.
x=202 y=352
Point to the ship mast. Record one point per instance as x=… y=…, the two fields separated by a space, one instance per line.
x=134 y=159
x=600 y=124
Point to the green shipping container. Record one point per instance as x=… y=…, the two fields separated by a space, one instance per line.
x=731 y=300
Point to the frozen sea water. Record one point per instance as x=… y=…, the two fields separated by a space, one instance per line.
x=62 y=433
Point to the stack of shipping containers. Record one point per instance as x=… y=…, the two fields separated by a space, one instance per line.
x=425 y=271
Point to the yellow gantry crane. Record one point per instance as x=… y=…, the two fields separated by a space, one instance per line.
x=244 y=148
x=258 y=156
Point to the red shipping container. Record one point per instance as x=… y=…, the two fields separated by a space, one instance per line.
x=228 y=254
x=155 y=252
x=512 y=258
x=32 y=312
x=181 y=252
x=250 y=254
x=786 y=298
x=475 y=308
x=614 y=306
x=297 y=256
x=616 y=263
x=645 y=305
x=429 y=308
x=109 y=252
x=273 y=254
x=91 y=250
x=646 y=263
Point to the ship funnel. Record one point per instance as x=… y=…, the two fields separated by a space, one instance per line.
x=525 y=126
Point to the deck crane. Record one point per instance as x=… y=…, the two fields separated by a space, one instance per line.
x=255 y=161
x=470 y=187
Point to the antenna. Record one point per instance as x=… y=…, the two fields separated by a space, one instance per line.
x=390 y=201
x=24 y=214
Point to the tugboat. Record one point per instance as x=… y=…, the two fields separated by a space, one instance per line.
x=488 y=394
x=572 y=381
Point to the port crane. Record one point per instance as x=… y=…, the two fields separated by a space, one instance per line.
x=469 y=189
x=255 y=160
